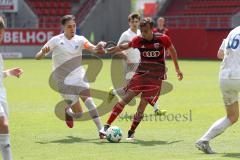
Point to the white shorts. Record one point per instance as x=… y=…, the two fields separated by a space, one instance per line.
x=230 y=89
x=79 y=80
x=3 y=109
x=130 y=69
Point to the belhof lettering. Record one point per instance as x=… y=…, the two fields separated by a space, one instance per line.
x=28 y=37
x=151 y=53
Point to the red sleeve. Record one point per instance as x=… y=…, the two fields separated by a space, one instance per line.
x=166 y=41
x=167 y=31
x=155 y=30
x=135 y=43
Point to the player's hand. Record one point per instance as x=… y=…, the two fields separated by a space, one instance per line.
x=179 y=74
x=100 y=45
x=45 y=50
x=16 y=72
x=112 y=50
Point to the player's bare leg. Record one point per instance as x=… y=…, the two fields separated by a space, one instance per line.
x=75 y=111
x=218 y=128
x=137 y=118
x=117 y=109
x=4 y=139
x=120 y=91
x=92 y=108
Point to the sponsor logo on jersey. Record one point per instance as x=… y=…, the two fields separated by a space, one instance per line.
x=151 y=53
x=76 y=47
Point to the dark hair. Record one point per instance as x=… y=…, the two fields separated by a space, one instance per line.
x=132 y=16
x=67 y=18
x=2 y=24
x=146 y=21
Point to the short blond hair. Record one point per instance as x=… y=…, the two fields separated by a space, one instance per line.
x=2 y=24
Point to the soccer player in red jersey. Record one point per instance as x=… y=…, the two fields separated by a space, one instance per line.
x=161 y=27
x=151 y=71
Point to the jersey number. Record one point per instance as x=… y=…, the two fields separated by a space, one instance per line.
x=234 y=43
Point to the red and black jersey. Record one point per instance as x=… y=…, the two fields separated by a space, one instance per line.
x=152 y=53
x=163 y=31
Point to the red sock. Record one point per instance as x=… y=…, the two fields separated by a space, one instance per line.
x=136 y=120
x=117 y=109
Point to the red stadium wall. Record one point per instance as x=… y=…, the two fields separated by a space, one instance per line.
x=197 y=43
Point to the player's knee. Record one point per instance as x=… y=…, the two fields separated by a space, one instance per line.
x=128 y=97
x=138 y=116
x=4 y=127
x=233 y=118
x=124 y=100
x=78 y=115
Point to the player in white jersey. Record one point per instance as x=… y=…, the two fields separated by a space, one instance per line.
x=66 y=51
x=4 y=130
x=229 y=77
x=132 y=57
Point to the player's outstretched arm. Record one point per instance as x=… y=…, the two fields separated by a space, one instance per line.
x=173 y=54
x=41 y=54
x=119 y=48
x=99 y=48
x=16 y=72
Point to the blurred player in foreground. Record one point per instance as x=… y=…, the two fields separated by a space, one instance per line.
x=132 y=57
x=229 y=77
x=149 y=75
x=64 y=48
x=4 y=131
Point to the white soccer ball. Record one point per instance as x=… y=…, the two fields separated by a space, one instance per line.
x=114 y=134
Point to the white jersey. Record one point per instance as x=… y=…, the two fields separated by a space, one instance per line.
x=230 y=66
x=133 y=55
x=64 y=50
x=3 y=95
x=2 y=88
x=67 y=58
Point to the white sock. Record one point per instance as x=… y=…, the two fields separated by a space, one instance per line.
x=93 y=112
x=72 y=114
x=5 y=147
x=216 y=129
x=118 y=91
x=98 y=123
x=69 y=111
x=155 y=107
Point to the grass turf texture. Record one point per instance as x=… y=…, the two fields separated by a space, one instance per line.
x=36 y=133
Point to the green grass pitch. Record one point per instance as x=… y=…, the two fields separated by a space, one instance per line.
x=37 y=134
